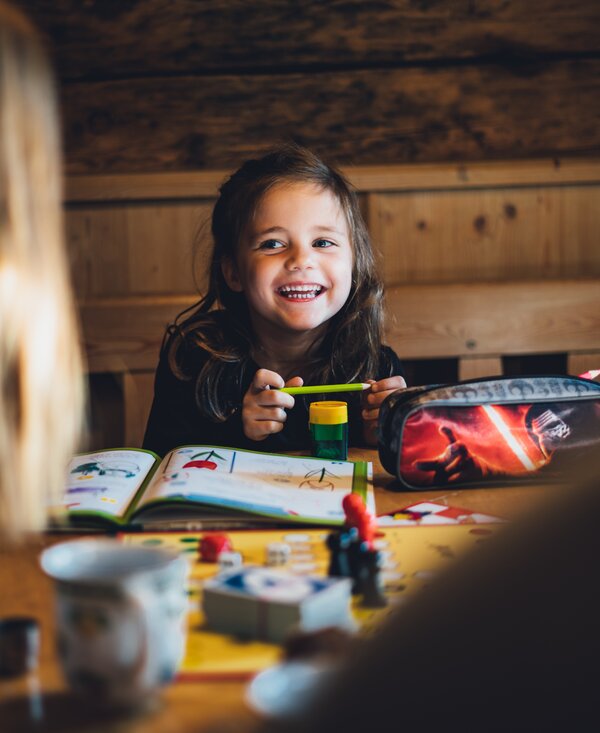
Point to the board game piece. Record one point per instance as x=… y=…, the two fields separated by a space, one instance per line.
x=213 y=544
x=278 y=553
x=371 y=585
x=353 y=507
x=413 y=555
x=357 y=515
x=264 y=603
x=338 y=543
x=230 y=560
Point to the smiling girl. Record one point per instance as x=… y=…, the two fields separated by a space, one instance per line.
x=293 y=298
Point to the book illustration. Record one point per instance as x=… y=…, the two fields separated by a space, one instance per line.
x=200 y=484
x=319 y=479
x=87 y=489
x=272 y=469
x=275 y=485
x=105 y=481
x=125 y=469
x=204 y=459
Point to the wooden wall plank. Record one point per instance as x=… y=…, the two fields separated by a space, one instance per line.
x=143 y=37
x=138 y=393
x=183 y=185
x=477 y=367
x=423 y=321
x=135 y=249
x=493 y=234
x=355 y=117
x=584 y=361
x=124 y=334
x=493 y=319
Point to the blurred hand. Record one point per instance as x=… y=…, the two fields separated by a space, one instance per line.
x=372 y=400
x=263 y=408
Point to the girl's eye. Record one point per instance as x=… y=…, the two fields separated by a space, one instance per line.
x=322 y=243
x=271 y=244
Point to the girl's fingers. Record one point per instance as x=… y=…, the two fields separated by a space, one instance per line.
x=271 y=414
x=264 y=378
x=380 y=390
x=370 y=414
x=375 y=400
x=389 y=384
x=269 y=427
x=270 y=398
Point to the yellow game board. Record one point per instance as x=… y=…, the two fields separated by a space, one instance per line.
x=412 y=556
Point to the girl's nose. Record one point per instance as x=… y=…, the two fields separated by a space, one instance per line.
x=300 y=257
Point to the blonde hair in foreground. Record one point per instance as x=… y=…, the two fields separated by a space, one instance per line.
x=41 y=388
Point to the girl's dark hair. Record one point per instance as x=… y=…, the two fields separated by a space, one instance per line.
x=351 y=348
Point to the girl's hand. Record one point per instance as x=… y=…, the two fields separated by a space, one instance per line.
x=372 y=401
x=264 y=409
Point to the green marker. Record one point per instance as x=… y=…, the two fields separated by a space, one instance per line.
x=326 y=388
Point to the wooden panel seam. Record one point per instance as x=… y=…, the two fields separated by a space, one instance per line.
x=414 y=177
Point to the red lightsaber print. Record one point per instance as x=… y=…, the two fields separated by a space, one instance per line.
x=510 y=439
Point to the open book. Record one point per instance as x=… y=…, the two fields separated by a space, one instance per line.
x=195 y=487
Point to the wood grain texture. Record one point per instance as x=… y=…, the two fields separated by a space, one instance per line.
x=476 y=367
x=198 y=184
x=423 y=321
x=494 y=319
x=136 y=249
x=149 y=37
x=487 y=234
x=353 y=117
x=138 y=393
x=124 y=334
x=584 y=362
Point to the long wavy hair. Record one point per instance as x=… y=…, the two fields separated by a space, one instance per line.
x=41 y=382
x=351 y=347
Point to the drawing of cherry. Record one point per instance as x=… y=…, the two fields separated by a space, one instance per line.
x=210 y=465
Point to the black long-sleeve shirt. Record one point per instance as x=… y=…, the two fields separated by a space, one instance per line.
x=176 y=420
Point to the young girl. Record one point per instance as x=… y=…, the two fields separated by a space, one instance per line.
x=293 y=298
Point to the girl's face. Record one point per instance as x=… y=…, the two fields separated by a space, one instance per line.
x=294 y=264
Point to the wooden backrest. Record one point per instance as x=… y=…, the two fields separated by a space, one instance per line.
x=478 y=324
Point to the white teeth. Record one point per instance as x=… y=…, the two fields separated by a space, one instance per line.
x=300 y=292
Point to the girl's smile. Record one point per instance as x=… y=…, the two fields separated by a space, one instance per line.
x=300 y=291
x=294 y=264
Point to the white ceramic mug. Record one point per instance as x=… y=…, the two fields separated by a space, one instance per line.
x=121 y=618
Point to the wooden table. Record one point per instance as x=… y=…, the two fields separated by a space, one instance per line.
x=204 y=706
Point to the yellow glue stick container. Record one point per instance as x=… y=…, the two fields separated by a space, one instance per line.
x=328 y=425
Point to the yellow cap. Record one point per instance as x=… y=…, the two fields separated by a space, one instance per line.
x=328 y=413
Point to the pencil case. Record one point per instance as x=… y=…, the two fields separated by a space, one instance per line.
x=488 y=430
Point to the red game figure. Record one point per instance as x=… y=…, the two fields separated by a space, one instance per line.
x=357 y=516
x=364 y=561
x=212 y=545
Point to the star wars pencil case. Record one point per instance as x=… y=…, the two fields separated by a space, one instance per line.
x=490 y=430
